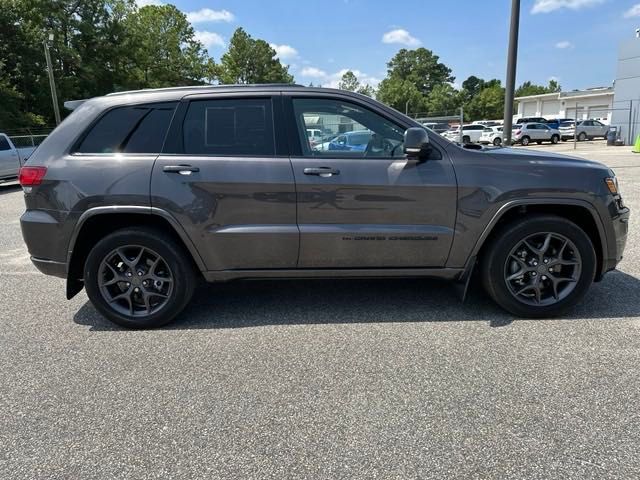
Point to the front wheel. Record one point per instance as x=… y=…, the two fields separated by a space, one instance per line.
x=554 y=139
x=497 y=142
x=539 y=267
x=582 y=137
x=139 y=278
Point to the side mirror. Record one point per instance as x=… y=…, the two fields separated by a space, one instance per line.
x=416 y=143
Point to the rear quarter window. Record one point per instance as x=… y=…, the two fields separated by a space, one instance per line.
x=129 y=129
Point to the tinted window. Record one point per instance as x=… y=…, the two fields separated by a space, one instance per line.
x=134 y=129
x=229 y=127
x=4 y=143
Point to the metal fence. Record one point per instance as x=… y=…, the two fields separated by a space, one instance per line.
x=28 y=137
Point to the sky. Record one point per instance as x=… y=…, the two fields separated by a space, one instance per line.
x=572 y=41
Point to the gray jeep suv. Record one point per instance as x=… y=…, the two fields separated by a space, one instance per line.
x=137 y=195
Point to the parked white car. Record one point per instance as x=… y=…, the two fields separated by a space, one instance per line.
x=491 y=136
x=470 y=134
x=11 y=158
x=535 y=132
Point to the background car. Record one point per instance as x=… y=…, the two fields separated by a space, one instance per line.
x=11 y=157
x=491 y=136
x=355 y=141
x=535 y=132
x=587 y=130
x=470 y=134
x=532 y=120
x=315 y=136
x=437 y=127
x=556 y=122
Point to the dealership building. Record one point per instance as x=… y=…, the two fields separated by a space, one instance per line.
x=618 y=105
x=593 y=103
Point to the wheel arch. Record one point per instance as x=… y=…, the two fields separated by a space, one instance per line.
x=97 y=222
x=579 y=212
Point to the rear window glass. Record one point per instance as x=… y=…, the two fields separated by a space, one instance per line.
x=133 y=129
x=229 y=127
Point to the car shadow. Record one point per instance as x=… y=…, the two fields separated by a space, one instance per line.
x=261 y=303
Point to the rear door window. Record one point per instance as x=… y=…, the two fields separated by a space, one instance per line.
x=130 y=129
x=229 y=127
x=4 y=143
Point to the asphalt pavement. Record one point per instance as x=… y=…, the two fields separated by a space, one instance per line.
x=321 y=379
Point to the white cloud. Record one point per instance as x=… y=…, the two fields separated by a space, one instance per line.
x=401 y=36
x=331 y=80
x=144 y=3
x=546 y=6
x=284 y=52
x=633 y=11
x=208 y=15
x=313 y=72
x=210 y=39
x=564 y=44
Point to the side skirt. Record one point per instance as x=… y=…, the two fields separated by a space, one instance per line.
x=441 y=273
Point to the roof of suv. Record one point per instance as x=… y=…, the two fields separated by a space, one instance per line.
x=207 y=88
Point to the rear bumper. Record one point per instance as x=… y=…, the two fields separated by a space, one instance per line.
x=50 y=267
x=44 y=236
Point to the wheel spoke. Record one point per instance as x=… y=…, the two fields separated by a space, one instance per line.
x=124 y=258
x=146 y=297
x=136 y=261
x=538 y=291
x=545 y=245
x=516 y=275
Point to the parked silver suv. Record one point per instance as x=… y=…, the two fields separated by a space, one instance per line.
x=138 y=195
x=535 y=132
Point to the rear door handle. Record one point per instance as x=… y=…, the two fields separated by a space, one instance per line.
x=181 y=169
x=322 y=171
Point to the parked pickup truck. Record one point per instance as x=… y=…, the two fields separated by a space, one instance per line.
x=11 y=158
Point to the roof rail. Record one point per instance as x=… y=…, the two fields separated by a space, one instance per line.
x=203 y=87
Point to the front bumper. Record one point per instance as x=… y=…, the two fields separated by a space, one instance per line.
x=621 y=230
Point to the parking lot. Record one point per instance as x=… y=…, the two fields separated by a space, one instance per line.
x=322 y=379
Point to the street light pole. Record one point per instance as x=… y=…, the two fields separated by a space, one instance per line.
x=52 y=82
x=512 y=60
x=406 y=108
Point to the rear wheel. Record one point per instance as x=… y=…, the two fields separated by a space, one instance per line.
x=497 y=142
x=139 y=278
x=466 y=139
x=582 y=137
x=554 y=139
x=539 y=267
x=525 y=141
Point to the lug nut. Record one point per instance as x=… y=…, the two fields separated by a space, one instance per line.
x=129 y=274
x=546 y=260
x=535 y=264
x=544 y=277
x=136 y=289
x=140 y=273
x=533 y=274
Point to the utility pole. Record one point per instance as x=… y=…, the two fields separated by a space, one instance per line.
x=461 y=122
x=52 y=82
x=575 y=129
x=512 y=60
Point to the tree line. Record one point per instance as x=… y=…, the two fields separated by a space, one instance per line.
x=102 y=46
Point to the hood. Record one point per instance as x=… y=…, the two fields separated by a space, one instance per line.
x=522 y=154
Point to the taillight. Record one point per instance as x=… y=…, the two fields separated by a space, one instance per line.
x=30 y=176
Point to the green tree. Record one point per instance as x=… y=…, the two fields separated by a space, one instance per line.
x=529 y=88
x=473 y=85
x=251 y=60
x=350 y=82
x=401 y=95
x=488 y=104
x=163 y=50
x=421 y=67
x=443 y=100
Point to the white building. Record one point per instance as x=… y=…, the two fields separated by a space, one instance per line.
x=626 y=111
x=593 y=103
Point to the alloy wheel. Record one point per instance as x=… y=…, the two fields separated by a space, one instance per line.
x=543 y=269
x=135 y=280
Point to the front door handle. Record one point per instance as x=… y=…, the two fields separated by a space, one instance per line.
x=181 y=169
x=322 y=171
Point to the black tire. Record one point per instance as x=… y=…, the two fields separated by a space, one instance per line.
x=494 y=265
x=554 y=139
x=525 y=141
x=497 y=142
x=466 y=139
x=179 y=265
x=582 y=137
